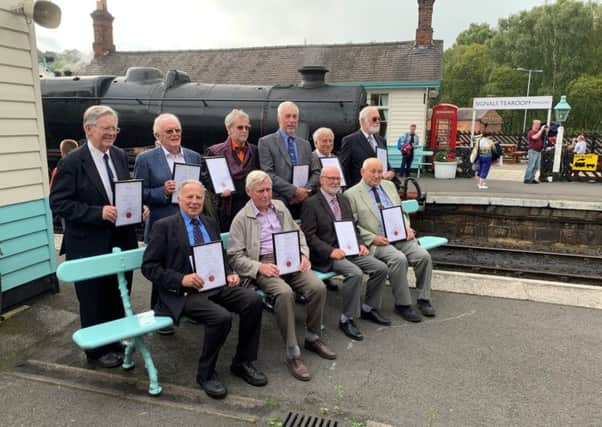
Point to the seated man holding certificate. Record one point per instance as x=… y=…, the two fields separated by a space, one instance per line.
x=327 y=222
x=185 y=258
x=266 y=245
x=386 y=230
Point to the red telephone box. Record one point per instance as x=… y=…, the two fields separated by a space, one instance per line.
x=444 y=126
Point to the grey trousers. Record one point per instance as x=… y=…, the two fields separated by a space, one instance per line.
x=398 y=256
x=308 y=284
x=353 y=270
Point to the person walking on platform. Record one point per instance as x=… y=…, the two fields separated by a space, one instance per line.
x=535 y=138
x=485 y=159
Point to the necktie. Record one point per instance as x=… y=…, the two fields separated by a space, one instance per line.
x=377 y=198
x=372 y=142
x=109 y=171
x=291 y=150
x=196 y=231
x=336 y=209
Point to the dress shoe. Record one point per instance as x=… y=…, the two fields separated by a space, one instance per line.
x=351 y=330
x=107 y=360
x=374 y=316
x=298 y=369
x=408 y=312
x=426 y=308
x=213 y=386
x=248 y=372
x=319 y=347
x=535 y=181
x=166 y=331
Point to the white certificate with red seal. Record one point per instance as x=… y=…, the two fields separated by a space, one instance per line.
x=221 y=179
x=394 y=224
x=287 y=251
x=209 y=264
x=128 y=202
x=346 y=237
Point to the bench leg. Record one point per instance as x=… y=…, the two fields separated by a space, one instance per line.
x=128 y=361
x=154 y=389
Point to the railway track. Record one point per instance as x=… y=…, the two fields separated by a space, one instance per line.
x=570 y=268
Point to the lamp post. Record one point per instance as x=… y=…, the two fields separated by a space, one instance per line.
x=562 y=112
x=526 y=70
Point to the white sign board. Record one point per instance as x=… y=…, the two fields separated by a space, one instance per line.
x=513 y=103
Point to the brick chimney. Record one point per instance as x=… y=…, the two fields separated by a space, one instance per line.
x=103 y=29
x=424 y=32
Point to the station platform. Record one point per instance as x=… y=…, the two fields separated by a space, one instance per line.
x=506 y=188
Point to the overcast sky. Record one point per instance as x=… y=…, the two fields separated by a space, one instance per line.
x=182 y=24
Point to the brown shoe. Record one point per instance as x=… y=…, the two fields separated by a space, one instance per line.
x=298 y=369
x=319 y=347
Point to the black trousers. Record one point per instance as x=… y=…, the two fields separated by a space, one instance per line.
x=214 y=309
x=99 y=302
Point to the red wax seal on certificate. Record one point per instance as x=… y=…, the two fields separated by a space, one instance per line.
x=212 y=278
x=128 y=215
x=288 y=263
x=349 y=246
x=396 y=233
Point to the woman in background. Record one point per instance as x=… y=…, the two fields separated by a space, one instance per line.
x=486 y=147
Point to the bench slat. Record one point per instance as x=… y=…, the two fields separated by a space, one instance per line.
x=431 y=242
x=100 y=265
x=117 y=330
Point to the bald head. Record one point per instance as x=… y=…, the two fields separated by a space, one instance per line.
x=372 y=171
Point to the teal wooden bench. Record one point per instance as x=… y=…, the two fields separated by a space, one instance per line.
x=132 y=327
x=418 y=161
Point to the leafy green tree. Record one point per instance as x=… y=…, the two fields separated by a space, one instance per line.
x=585 y=96
x=465 y=71
x=476 y=33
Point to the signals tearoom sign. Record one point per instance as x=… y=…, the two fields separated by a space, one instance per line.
x=513 y=103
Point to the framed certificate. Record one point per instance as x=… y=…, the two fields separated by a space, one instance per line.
x=394 y=224
x=182 y=172
x=333 y=161
x=128 y=201
x=287 y=251
x=219 y=171
x=383 y=156
x=300 y=175
x=346 y=237
x=209 y=263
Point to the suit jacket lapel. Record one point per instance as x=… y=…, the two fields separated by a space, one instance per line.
x=90 y=169
x=182 y=236
x=123 y=173
x=326 y=206
x=283 y=152
x=365 y=144
x=368 y=201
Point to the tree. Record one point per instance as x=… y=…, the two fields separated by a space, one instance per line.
x=585 y=97
x=465 y=72
x=476 y=33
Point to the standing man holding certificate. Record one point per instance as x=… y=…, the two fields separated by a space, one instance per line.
x=282 y=152
x=337 y=250
x=83 y=194
x=167 y=263
x=363 y=144
x=368 y=199
x=252 y=253
x=241 y=157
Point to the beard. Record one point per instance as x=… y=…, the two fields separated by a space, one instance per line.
x=332 y=190
x=374 y=129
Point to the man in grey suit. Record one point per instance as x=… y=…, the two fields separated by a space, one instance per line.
x=155 y=167
x=283 y=149
x=367 y=198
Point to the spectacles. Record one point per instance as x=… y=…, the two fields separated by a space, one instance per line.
x=375 y=119
x=177 y=131
x=107 y=129
x=333 y=178
x=243 y=127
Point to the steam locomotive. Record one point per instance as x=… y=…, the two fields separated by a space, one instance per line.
x=143 y=93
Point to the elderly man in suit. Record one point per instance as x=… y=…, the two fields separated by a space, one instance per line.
x=155 y=167
x=361 y=145
x=166 y=263
x=318 y=217
x=367 y=199
x=82 y=194
x=283 y=149
x=251 y=253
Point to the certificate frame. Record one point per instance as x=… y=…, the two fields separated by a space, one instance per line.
x=394 y=235
x=116 y=184
x=328 y=161
x=293 y=174
x=349 y=250
x=221 y=159
x=173 y=176
x=384 y=153
x=274 y=245
x=198 y=248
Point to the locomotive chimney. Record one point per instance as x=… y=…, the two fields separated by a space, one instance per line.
x=424 y=32
x=103 y=29
x=312 y=75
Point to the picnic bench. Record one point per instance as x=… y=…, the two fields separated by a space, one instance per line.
x=132 y=327
x=418 y=161
x=510 y=152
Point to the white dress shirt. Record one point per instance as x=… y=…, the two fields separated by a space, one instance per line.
x=98 y=157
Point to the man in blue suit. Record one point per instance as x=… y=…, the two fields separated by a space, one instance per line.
x=155 y=167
